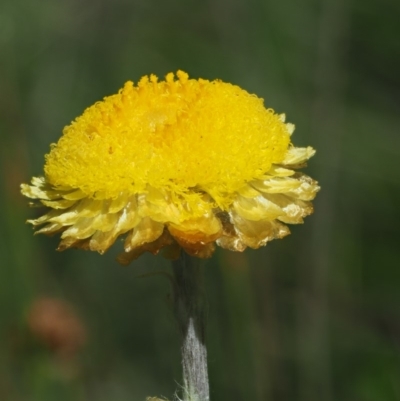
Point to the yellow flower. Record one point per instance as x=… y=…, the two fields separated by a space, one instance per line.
x=180 y=163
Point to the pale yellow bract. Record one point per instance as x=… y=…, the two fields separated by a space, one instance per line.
x=178 y=163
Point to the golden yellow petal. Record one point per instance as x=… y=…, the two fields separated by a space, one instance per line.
x=294 y=209
x=165 y=206
x=258 y=208
x=199 y=230
x=156 y=206
x=50 y=229
x=105 y=221
x=290 y=127
x=295 y=156
x=45 y=218
x=74 y=195
x=164 y=240
x=59 y=203
x=35 y=192
x=70 y=242
x=146 y=231
x=117 y=224
x=38 y=181
x=307 y=190
x=85 y=208
x=118 y=203
x=278 y=171
x=129 y=216
x=101 y=241
x=103 y=228
x=248 y=191
x=66 y=243
x=276 y=185
x=82 y=229
x=257 y=233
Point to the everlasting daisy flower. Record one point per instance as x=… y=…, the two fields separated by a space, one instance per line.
x=181 y=163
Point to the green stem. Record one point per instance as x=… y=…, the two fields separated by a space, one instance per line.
x=190 y=312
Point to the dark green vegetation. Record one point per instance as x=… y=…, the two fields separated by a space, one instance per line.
x=313 y=317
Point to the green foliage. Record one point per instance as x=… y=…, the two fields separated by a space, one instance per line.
x=313 y=317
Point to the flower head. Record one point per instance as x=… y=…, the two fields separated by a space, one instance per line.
x=180 y=163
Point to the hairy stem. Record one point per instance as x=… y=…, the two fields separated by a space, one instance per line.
x=190 y=312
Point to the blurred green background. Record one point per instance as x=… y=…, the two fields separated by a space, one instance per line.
x=314 y=317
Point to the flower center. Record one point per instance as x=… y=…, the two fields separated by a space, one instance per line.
x=175 y=135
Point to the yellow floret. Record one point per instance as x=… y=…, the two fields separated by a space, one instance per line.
x=182 y=135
